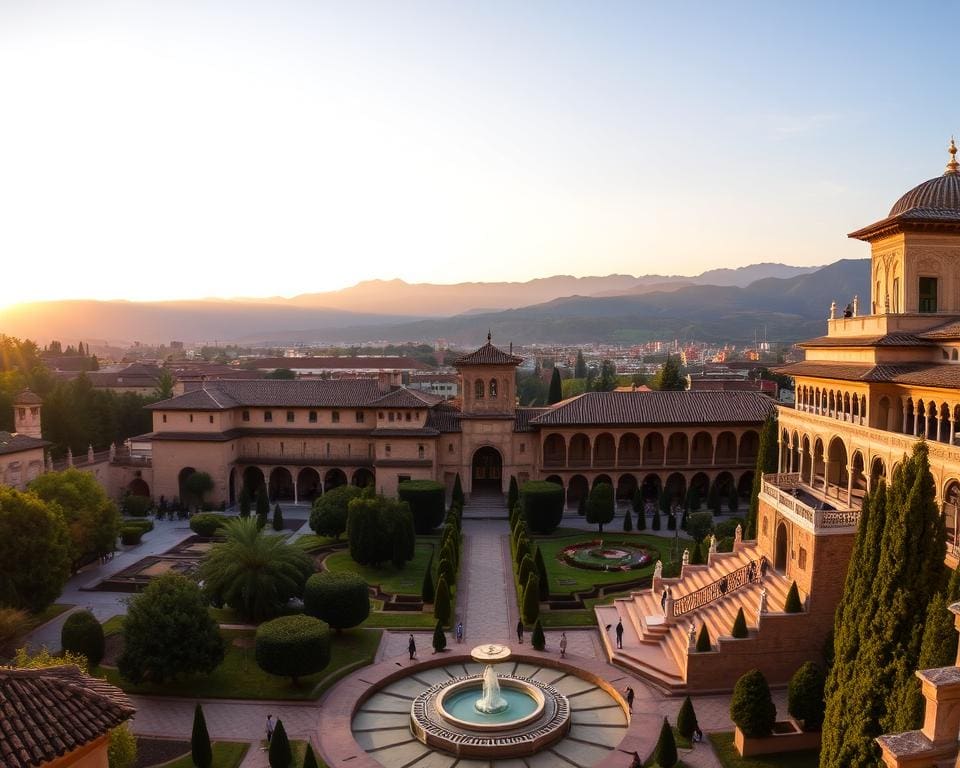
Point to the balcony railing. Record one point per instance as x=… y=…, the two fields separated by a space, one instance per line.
x=738 y=579
x=332 y=457
x=790 y=496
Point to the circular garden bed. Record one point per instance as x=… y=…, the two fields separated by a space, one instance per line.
x=609 y=555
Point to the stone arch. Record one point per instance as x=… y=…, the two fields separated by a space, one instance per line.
x=601 y=479
x=701 y=448
x=678 y=448
x=281 y=484
x=487 y=468
x=650 y=488
x=138 y=487
x=676 y=488
x=363 y=478
x=308 y=484
x=780 y=548
x=795 y=452
x=726 y=448
x=653 y=449
x=554 y=450
x=604 y=450
x=334 y=478
x=253 y=481
x=182 y=476
x=723 y=483
x=579 y=450
x=878 y=471
x=943 y=423
x=578 y=490
x=555 y=479
x=883 y=413
x=806 y=459
x=478 y=389
x=858 y=476
x=951 y=503
x=749 y=447
x=628 y=452
x=819 y=463
x=701 y=483
x=626 y=487
x=785 y=456
x=835 y=469
x=493 y=389
x=745 y=484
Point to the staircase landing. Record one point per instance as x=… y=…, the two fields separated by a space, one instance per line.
x=486 y=505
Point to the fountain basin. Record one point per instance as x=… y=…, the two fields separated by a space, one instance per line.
x=457 y=705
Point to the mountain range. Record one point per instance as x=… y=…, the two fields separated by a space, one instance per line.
x=785 y=303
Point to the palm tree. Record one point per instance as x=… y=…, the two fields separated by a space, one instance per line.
x=254 y=573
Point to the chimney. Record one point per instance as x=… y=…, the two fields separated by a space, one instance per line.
x=387 y=380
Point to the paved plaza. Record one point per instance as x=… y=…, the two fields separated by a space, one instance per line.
x=486 y=604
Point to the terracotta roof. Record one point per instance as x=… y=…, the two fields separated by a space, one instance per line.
x=887 y=340
x=523 y=416
x=915 y=218
x=944 y=376
x=444 y=419
x=488 y=355
x=47 y=713
x=276 y=393
x=949 y=330
x=595 y=408
x=14 y=443
x=406 y=398
x=26 y=397
x=335 y=363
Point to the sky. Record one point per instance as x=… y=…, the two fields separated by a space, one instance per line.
x=195 y=148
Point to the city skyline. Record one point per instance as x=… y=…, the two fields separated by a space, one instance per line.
x=183 y=150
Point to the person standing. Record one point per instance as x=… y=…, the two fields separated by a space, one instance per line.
x=763 y=567
x=520 y=632
x=412 y=648
x=630 y=698
x=619 y=633
x=563 y=644
x=459 y=631
x=269 y=728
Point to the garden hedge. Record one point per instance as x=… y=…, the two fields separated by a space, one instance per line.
x=206 y=523
x=292 y=646
x=82 y=633
x=805 y=696
x=751 y=706
x=426 y=500
x=131 y=534
x=542 y=505
x=342 y=600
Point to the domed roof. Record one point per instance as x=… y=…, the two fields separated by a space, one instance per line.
x=942 y=193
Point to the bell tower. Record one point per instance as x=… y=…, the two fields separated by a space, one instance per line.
x=26 y=414
x=488 y=381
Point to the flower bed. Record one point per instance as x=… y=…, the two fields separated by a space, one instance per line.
x=605 y=556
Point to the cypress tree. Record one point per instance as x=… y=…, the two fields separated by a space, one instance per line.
x=310 y=759
x=733 y=500
x=457 y=496
x=713 y=499
x=665 y=753
x=439 y=638
x=542 y=574
x=441 y=602
x=687 y=719
x=263 y=502
x=538 y=640
x=445 y=571
x=766 y=463
x=513 y=493
x=703 y=640
x=280 y=755
x=277 y=518
x=580 y=368
x=696 y=555
x=792 y=603
x=627 y=522
x=523 y=549
x=526 y=568
x=426 y=590
x=556 y=388
x=740 y=625
x=245 y=502
x=200 y=748
x=671 y=521
x=655 y=520
x=887 y=622
x=939 y=646
x=530 y=608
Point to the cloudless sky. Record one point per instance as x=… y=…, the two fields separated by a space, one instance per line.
x=188 y=148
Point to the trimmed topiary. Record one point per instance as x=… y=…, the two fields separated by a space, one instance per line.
x=427 y=590
x=445 y=570
x=342 y=600
x=82 y=634
x=457 y=496
x=280 y=754
x=526 y=568
x=292 y=646
x=523 y=548
x=751 y=706
x=542 y=505
x=439 y=638
x=530 y=606
x=277 y=518
x=310 y=759
x=703 y=640
x=200 y=749
x=542 y=574
x=206 y=523
x=513 y=494
x=441 y=602
x=426 y=500
x=655 y=520
x=686 y=719
x=792 y=603
x=627 y=522
x=740 y=625
x=805 y=696
x=538 y=640
x=696 y=554
x=665 y=753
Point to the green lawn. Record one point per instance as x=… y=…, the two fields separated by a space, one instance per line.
x=730 y=758
x=406 y=581
x=239 y=677
x=226 y=754
x=398 y=619
x=48 y=614
x=571 y=618
x=310 y=541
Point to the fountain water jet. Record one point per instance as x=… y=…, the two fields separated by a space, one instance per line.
x=491 y=702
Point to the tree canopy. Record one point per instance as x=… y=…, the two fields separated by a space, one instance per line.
x=669 y=377
x=600 y=505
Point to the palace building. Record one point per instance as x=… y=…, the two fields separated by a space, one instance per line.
x=303 y=437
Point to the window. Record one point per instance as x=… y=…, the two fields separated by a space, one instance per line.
x=391 y=414
x=523 y=447
x=164 y=418
x=22 y=412
x=191 y=418
x=450 y=448
x=409 y=416
x=763 y=525
x=802 y=559
x=403 y=478
x=245 y=415
x=34 y=411
x=896 y=294
x=312 y=418
x=211 y=418
x=493 y=389
x=359 y=417
x=290 y=417
x=335 y=417
x=281 y=448
x=380 y=415
x=386 y=449
x=268 y=415
x=478 y=389
x=420 y=451
x=928 y=294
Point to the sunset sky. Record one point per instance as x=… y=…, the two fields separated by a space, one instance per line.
x=175 y=149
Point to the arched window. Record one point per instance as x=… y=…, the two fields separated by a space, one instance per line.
x=478 y=389
x=493 y=389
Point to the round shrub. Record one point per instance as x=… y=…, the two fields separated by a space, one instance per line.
x=83 y=634
x=206 y=523
x=292 y=646
x=426 y=500
x=131 y=534
x=136 y=506
x=805 y=696
x=542 y=505
x=144 y=525
x=751 y=706
x=340 y=599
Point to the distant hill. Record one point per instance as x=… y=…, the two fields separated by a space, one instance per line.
x=615 y=308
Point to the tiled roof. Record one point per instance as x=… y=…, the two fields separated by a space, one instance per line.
x=406 y=398
x=887 y=340
x=522 y=419
x=488 y=355
x=47 y=713
x=915 y=218
x=940 y=193
x=16 y=442
x=26 y=397
x=945 y=376
x=658 y=408
x=355 y=363
x=950 y=330
x=276 y=393
x=444 y=419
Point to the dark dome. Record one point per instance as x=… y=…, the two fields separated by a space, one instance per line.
x=942 y=192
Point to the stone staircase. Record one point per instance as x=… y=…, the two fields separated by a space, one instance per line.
x=486 y=505
x=657 y=649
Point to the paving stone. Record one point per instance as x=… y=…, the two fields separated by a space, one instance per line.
x=611 y=715
x=595 y=734
x=365 y=721
x=580 y=753
x=381 y=739
x=381 y=702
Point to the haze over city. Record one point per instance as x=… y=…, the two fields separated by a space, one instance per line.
x=193 y=149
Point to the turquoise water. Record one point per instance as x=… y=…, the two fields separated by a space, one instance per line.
x=461 y=705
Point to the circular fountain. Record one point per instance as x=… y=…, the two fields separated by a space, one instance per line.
x=490 y=715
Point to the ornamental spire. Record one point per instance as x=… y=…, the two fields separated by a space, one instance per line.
x=953 y=167
x=490 y=336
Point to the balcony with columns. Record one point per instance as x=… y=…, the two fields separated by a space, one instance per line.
x=811 y=509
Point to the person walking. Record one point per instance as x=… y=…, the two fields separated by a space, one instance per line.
x=269 y=728
x=663 y=600
x=619 y=631
x=459 y=631
x=630 y=698
x=520 y=632
x=412 y=648
x=563 y=644
x=763 y=567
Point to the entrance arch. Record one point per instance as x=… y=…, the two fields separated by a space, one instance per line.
x=182 y=476
x=139 y=487
x=281 y=485
x=577 y=491
x=780 y=555
x=308 y=484
x=363 y=478
x=253 y=480
x=487 y=469
x=333 y=479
